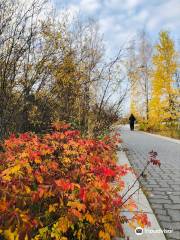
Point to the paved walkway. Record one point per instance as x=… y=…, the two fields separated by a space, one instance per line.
x=162 y=186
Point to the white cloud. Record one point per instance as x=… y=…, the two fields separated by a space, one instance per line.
x=69 y=13
x=89 y=6
x=115 y=34
x=120 y=19
x=165 y=15
x=84 y=7
x=106 y=23
x=72 y=10
x=133 y=3
x=142 y=16
x=122 y=4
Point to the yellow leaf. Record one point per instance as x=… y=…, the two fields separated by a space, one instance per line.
x=11 y=235
x=53 y=207
x=78 y=205
x=9 y=171
x=63 y=224
x=107 y=218
x=89 y=218
x=3 y=206
x=28 y=190
x=104 y=235
x=110 y=229
x=37 y=160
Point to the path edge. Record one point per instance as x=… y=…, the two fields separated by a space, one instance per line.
x=129 y=232
x=173 y=140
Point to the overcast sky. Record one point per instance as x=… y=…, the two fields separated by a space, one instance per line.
x=119 y=20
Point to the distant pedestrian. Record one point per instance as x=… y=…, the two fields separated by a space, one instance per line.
x=132 y=119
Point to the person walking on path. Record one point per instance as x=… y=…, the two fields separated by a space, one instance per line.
x=132 y=119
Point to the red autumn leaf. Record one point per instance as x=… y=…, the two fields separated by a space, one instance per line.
x=43 y=168
x=105 y=171
x=71 y=133
x=38 y=177
x=142 y=219
x=117 y=202
x=75 y=212
x=3 y=205
x=82 y=194
x=41 y=192
x=155 y=161
x=53 y=165
x=25 y=137
x=64 y=184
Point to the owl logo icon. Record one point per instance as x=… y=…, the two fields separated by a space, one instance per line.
x=139 y=231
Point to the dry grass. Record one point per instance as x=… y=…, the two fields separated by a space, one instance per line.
x=173 y=133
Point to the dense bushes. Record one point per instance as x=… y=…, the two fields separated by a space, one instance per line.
x=54 y=68
x=61 y=186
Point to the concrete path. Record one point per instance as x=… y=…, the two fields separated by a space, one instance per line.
x=162 y=186
x=148 y=233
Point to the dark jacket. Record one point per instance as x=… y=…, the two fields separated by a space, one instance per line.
x=132 y=119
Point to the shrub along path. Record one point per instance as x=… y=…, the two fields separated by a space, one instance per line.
x=162 y=185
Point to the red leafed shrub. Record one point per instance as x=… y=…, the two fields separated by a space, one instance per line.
x=61 y=186
x=152 y=158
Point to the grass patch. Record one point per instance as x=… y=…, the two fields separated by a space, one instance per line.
x=173 y=133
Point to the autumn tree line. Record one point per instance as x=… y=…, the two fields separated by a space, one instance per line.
x=53 y=68
x=154 y=77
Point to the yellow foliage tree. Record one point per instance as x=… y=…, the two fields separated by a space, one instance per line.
x=164 y=95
